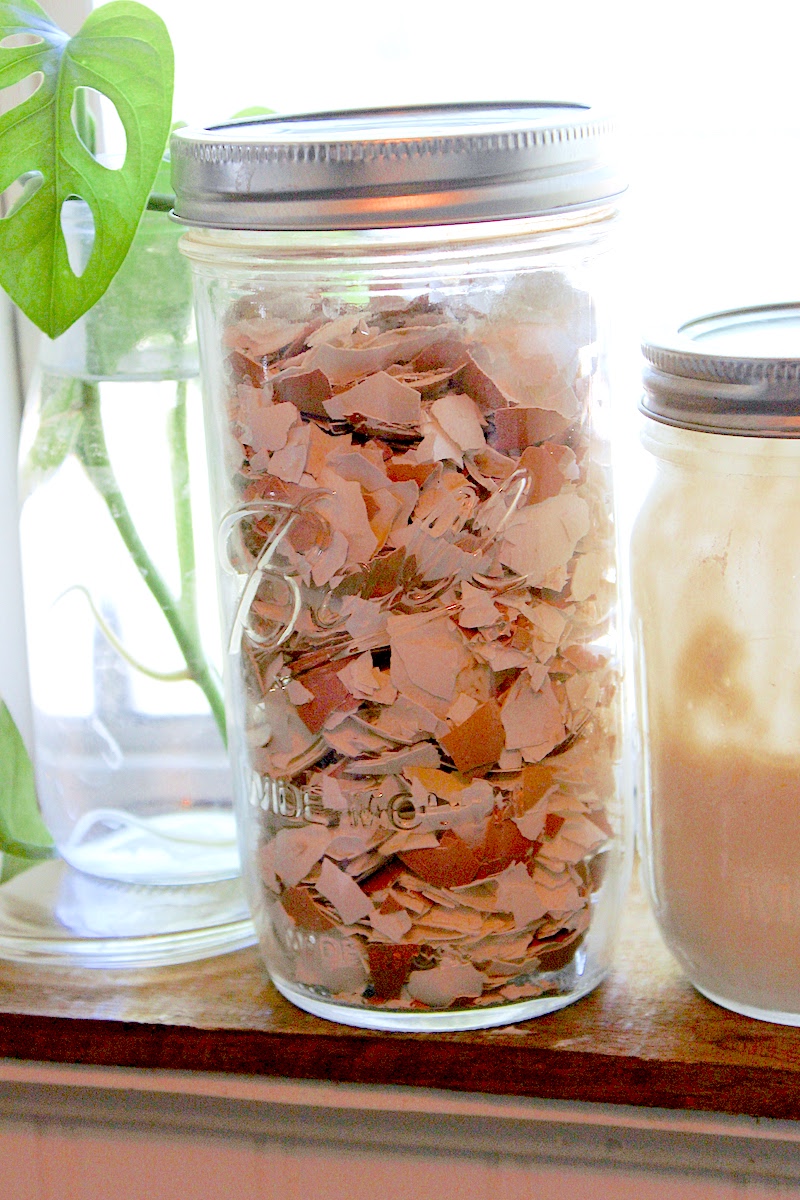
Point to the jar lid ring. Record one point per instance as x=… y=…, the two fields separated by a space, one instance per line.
x=394 y=167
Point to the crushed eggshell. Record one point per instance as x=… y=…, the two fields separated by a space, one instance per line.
x=298 y=850
x=448 y=981
x=335 y=965
x=305 y=912
x=344 y=893
x=532 y=718
x=435 y=736
x=542 y=537
x=479 y=740
x=380 y=396
x=452 y=863
x=389 y=968
x=479 y=609
x=392 y=925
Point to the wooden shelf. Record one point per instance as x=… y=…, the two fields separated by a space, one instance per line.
x=645 y=1037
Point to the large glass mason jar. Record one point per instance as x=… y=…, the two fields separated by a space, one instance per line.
x=403 y=319
x=716 y=591
x=123 y=638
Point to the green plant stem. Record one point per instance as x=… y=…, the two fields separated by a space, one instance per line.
x=93 y=453
x=184 y=531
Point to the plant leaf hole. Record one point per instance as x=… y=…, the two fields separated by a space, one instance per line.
x=18 y=93
x=99 y=127
x=77 y=226
x=16 y=41
x=19 y=193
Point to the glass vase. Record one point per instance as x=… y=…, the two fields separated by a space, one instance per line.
x=120 y=599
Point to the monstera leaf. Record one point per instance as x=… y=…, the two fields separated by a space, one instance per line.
x=122 y=51
x=22 y=831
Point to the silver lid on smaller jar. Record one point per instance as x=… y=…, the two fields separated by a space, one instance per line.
x=734 y=372
x=391 y=167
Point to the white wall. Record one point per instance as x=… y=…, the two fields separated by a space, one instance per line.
x=705 y=92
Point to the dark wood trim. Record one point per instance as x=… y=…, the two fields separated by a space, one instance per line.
x=645 y=1037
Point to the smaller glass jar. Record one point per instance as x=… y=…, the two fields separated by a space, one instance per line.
x=716 y=618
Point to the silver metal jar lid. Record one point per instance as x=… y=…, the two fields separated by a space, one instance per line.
x=734 y=372
x=381 y=168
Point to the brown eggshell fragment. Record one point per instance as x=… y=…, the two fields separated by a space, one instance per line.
x=330 y=695
x=449 y=354
x=479 y=741
x=383 y=878
x=544 y=471
x=321 y=446
x=399 y=471
x=481 y=387
x=302 y=909
x=247 y=369
x=558 y=953
x=515 y=429
x=537 y=779
x=305 y=389
x=389 y=967
x=451 y=865
x=552 y=824
x=503 y=846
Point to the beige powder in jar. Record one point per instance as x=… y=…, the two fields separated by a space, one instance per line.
x=716 y=615
x=725 y=859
